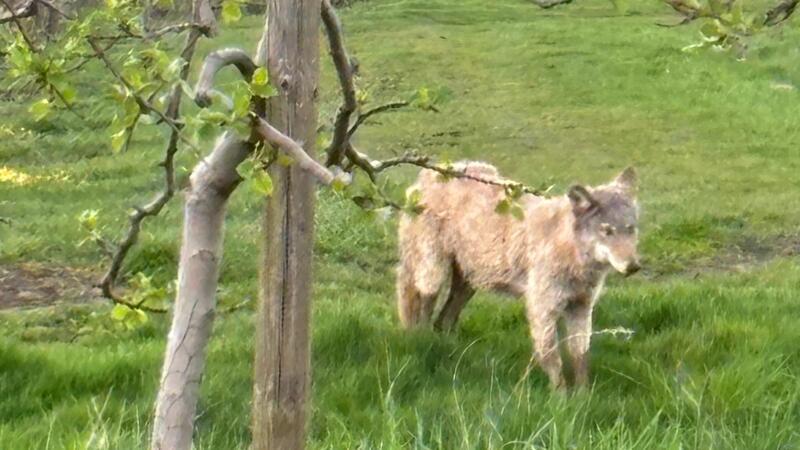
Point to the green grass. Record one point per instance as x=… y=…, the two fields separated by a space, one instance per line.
x=572 y=94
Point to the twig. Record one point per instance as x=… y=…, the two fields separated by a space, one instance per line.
x=87 y=58
x=236 y=307
x=60 y=12
x=154 y=207
x=780 y=13
x=377 y=110
x=29 y=10
x=547 y=4
x=175 y=28
x=373 y=167
x=139 y=306
x=142 y=102
x=344 y=69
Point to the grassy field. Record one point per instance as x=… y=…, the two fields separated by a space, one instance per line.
x=571 y=94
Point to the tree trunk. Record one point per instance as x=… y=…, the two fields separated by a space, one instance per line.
x=212 y=182
x=282 y=364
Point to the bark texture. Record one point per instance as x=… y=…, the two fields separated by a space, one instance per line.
x=212 y=182
x=282 y=365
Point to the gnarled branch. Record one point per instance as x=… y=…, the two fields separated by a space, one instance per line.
x=286 y=144
x=213 y=63
x=344 y=69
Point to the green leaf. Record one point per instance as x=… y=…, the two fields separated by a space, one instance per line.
x=413 y=202
x=247 y=168
x=341 y=181
x=265 y=91
x=205 y=132
x=69 y=94
x=120 y=312
x=422 y=99
x=414 y=197
x=259 y=85
x=231 y=12
x=131 y=111
x=241 y=103
x=517 y=212
x=40 y=109
x=139 y=317
x=260 y=77
x=362 y=96
x=711 y=30
x=118 y=140
x=323 y=140
x=88 y=219
x=285 y=160
x=262 y=183
x=503 y=207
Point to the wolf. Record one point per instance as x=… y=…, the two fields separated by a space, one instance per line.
x=556 y=256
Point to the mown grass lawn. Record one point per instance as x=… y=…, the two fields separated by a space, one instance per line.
x=571 y=94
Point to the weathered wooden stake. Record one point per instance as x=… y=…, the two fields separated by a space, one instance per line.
x=282 y=364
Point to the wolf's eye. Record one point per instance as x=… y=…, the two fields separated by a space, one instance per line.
x=607 y=229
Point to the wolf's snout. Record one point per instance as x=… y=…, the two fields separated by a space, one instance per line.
x=632 y=268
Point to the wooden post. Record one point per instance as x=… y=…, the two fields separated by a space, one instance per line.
x=282 y=361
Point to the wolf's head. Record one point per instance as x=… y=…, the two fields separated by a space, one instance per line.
x=606 y=220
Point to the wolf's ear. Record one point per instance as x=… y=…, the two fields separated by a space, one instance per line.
x=628 y=180
x=582 y=201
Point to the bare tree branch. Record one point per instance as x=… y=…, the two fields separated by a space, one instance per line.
x=377 y=110
x=692 y=11
x=213 y=63
x=344 y=69
x=374 y=167
x=178 y=28
x=547 y=4
x=27 y=9
x=55 y=8
x=780 y=13
x=341 y=145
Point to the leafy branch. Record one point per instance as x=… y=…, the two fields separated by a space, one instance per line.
x=726 y=24
x=341 y=146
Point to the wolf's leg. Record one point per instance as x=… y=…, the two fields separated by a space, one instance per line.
x=578 y=324
x=460 y=293
x=543 y=309
x=422 y=271
x=408 y=298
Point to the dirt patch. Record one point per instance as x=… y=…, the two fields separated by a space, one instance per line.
x=742 y=255
x=35 y=285
x=750 y=251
